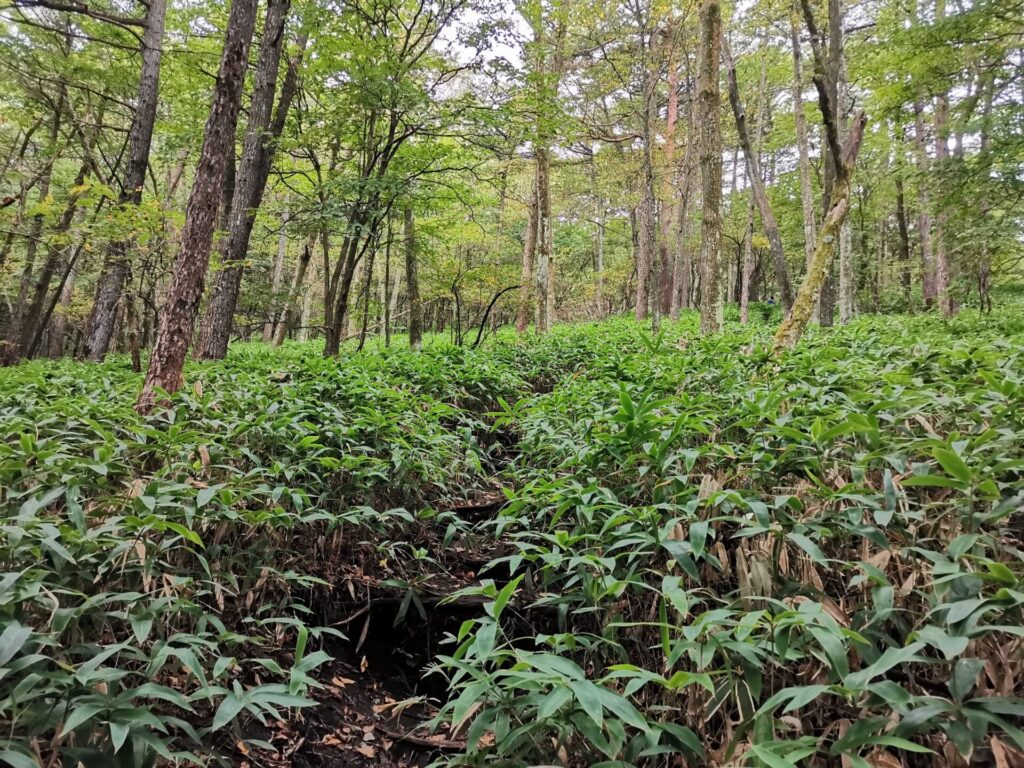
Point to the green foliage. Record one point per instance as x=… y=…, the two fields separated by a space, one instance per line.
x=705 y=551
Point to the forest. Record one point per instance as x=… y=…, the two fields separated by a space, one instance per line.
x=512 y=383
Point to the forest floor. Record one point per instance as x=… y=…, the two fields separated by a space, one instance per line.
x=595 y=545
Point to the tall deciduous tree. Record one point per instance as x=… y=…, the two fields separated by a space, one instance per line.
x=709 y=129
x=177 y=320
x=261 y=136
x=117 y=265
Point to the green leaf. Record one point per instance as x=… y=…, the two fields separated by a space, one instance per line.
x=13 y=640
x=228 y=710
x=953 y=464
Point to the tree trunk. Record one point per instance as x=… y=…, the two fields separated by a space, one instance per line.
x=941 y=123
x=545 y=241
x=803 y=153
x=116 y=266
x=261 y=136
x=709 y=125
x=179 y=313
x=666 y=255
x=754 y=176
x=526 y=290
x=845 y=157
x=412 y=282
x=23 y=336
x=924 y=215
x=847 y=279
x=285 y=320
x=59 y=327
x=904 y=234
x=277 y=277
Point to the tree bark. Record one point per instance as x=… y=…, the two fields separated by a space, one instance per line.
x=924 y=215
x=277 y=276
x=941 y=124
x=904 y=235
x=287 y=310
x=754 y=176
x=526 y=289
x=116 y=266
x=261 y=137
x=709 y=125
x=545 y=241
x=179 y=314
x=845 y=157
x=803 y=153
x=666 y=255
x=412 y=281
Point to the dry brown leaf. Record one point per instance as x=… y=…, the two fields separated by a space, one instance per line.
x=341 y=682
x=882 y=758
x=998 y=753
x=366 y=751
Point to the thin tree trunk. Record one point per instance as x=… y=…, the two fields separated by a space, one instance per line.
x=261 y=136
x=682 y=270
x=666 y=243
x=277 y=277
x=904 y=234
x=847 y=279
x=924 y=215
x=179 y=314
x=709 y=123
x=285 y=320
x=845 y=157
x=803 y=153
x=59 y=326
x=941 y=123
x=116 y=266
x=754 y=175
x=29 y=324
x=412 y=282
x=545 y=257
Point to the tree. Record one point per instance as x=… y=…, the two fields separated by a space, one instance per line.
x=844 y=159
x=117 y=265
x=710 y=142
x=262 y=134
x=177 y=320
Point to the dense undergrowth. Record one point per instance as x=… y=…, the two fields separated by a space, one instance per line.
x=733 y=558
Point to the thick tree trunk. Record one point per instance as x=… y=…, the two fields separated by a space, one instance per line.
x=412 y=282
x=116 y=266
x=709 y=125
x=261 y=136
x=526 y=290
x=179 y=313
x=754 y=176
